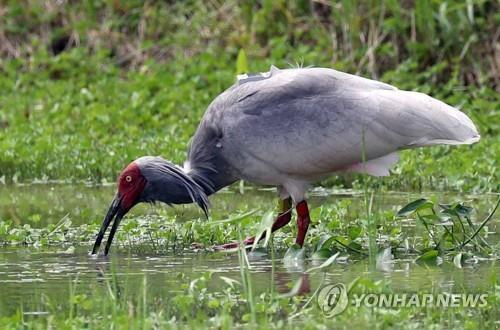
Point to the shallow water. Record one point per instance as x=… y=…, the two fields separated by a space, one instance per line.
x=34 y=278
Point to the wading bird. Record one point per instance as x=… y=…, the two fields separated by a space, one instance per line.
x=289 y=128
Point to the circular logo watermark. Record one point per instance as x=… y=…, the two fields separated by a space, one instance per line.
x=332 y=299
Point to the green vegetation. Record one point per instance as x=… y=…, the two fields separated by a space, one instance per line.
x=444 y=230
x=423 y=235
x=87 y=87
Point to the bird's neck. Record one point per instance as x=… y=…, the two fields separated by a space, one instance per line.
x=193 y=186
x=211 y=179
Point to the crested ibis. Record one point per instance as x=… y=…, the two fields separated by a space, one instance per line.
x=289 y=128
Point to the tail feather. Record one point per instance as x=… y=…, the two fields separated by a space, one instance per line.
x=450 y=126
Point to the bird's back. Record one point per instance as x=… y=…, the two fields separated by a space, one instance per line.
x=306 y=123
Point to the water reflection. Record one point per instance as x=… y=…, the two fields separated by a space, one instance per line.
x=28 y=275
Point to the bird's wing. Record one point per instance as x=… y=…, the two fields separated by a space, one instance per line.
x=308 y=122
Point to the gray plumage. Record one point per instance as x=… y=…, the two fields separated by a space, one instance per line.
x=290 y=127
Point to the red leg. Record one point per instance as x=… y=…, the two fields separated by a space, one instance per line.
x=303 y=221
x=283 y=218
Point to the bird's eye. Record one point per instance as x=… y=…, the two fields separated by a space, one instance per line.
x=128 y=178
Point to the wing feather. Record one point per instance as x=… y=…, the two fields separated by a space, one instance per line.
x=308 y=122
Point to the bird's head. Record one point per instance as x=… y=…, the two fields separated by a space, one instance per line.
x=149 y=179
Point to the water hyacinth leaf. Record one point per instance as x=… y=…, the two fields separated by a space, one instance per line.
x=445 y=216
x=428 y=257
x=354 y=232
x=322 y=254
x=445 y=206
x=450 y=212
x=430 y=218
x=417 y=205
x=463 y=210
x=327 y=263
x=445 y=223
x=324 y=242
x=456 y=209
x=342 y=240
x=355 y=246
x=447 y=240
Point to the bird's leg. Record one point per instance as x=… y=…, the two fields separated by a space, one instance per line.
x=282 y=219
x=303 y=221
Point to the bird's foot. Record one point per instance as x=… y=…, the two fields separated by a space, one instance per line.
x=234 y=245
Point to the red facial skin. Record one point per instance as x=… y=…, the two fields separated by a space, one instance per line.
x=131 y=184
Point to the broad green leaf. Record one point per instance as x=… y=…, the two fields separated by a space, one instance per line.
x=429 y=256
x=463 y=210
x=446 y=241
x=355 y=246
x=414 y=206
x=354 y=232
x=322 y=254
x=431 y=217
x=324 y=242
x=341 y=239
x=456 y=209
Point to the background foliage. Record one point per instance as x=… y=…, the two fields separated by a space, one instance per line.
x=87 y=86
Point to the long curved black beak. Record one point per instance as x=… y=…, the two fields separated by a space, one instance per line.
x=115 y=209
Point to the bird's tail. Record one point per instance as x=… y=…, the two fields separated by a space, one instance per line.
x=451 y=126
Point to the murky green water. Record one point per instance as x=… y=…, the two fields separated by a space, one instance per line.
x=37 y=278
